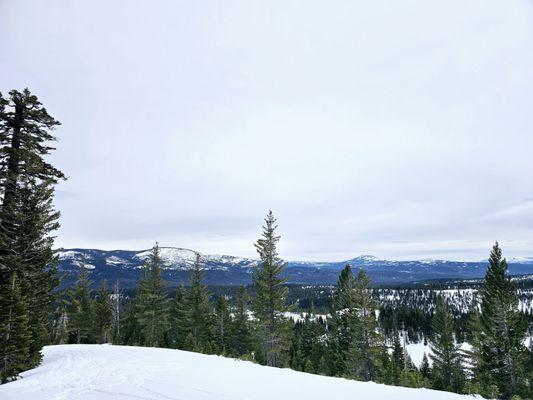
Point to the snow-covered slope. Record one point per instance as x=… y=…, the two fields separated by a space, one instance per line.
x=94 y=372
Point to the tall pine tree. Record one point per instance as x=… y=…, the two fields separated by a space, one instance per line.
x=199 y=318
x=498 y=351
x=268 y=304
x=151 y=310
x=81 y=316
x=241 y=328
x=367 y=343
x=446 y=355
x=27 y=216
x=102 y=314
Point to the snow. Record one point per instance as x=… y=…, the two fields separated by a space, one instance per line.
x=104 y=372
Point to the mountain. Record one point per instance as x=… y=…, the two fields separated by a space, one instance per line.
x=125 y=265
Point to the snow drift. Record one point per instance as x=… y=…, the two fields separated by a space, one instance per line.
x=102 y=372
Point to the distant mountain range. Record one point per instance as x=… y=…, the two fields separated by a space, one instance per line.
x=125 y=265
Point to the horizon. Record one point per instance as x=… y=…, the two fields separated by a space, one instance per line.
x=360 y=256
x=400 y=130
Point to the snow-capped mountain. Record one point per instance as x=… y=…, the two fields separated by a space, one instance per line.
x=125 y=265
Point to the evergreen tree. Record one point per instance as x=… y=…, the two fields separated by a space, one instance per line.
x=178 y=319
x=81 y=308
x=27 y=216
x=343 y=318
x=367 y=343
x=446 y=355
x=60 y=332
x=241 y=330
x=269 y=302
x=425 y=368
x=152 y=305
x=15 y=334
x=199 y=311
x=397 y=360
x=498 y=351
x=102 y=314
x=223 y=333
x=116 y=313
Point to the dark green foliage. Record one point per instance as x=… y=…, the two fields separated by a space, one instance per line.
x=27 y=216
x=447 y=371
x=367 y=343
x=81 y=316
x=223 y=328
x=151 y=310
x=241 y=327
x=355 y=346
x=102 y=314
x=199 y=312
x=397 y=363
x=15 y=332
x=268 y=304
x=342 y=318
x=425 y=368
x=498 y=350
x=178 y=319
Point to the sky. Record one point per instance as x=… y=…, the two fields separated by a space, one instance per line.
x=401 y=129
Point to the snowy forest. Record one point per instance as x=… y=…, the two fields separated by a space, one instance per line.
x=351 y=330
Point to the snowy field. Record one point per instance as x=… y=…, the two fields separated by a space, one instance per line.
x=104 y=372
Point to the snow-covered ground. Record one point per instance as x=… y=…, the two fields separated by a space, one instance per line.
x=104 y=372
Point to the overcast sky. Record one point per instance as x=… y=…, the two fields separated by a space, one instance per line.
x=402 y=129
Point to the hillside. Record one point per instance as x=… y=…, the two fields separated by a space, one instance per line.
x=125 y=265
x=104 y=372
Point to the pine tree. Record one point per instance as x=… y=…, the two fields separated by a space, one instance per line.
x=81 y=308
x=446 y=355
x=367 y=343
x=60 y=324
x=116 y=313
x=199 y=311
x=151 y=310
x=27 y=216
x=223 y=331
x=425 y=368
x=397 y=360
x=268 y=304
x=178 y=319
x=342 y=317
x=498 y=351
x=241 y=330
x=102 y=314
x=15 y=334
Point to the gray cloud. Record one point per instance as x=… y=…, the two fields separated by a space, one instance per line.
x=400 y=130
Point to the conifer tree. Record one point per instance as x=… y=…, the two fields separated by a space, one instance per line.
x=151 y=304
x=223 y=331
x=81 y=307
x=116 y=313
x=367 y=343
x=178 y=319
x=27 y=216
x=397 y=360
x=498 y=351
x=343 y=317
x=268 y=304
x=102 y=314
x=199 y=311
x=425 y=368
x=241 y=330
x=446 y=355
x=15 y=334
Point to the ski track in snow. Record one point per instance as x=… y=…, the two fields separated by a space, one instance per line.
x=105 y=372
